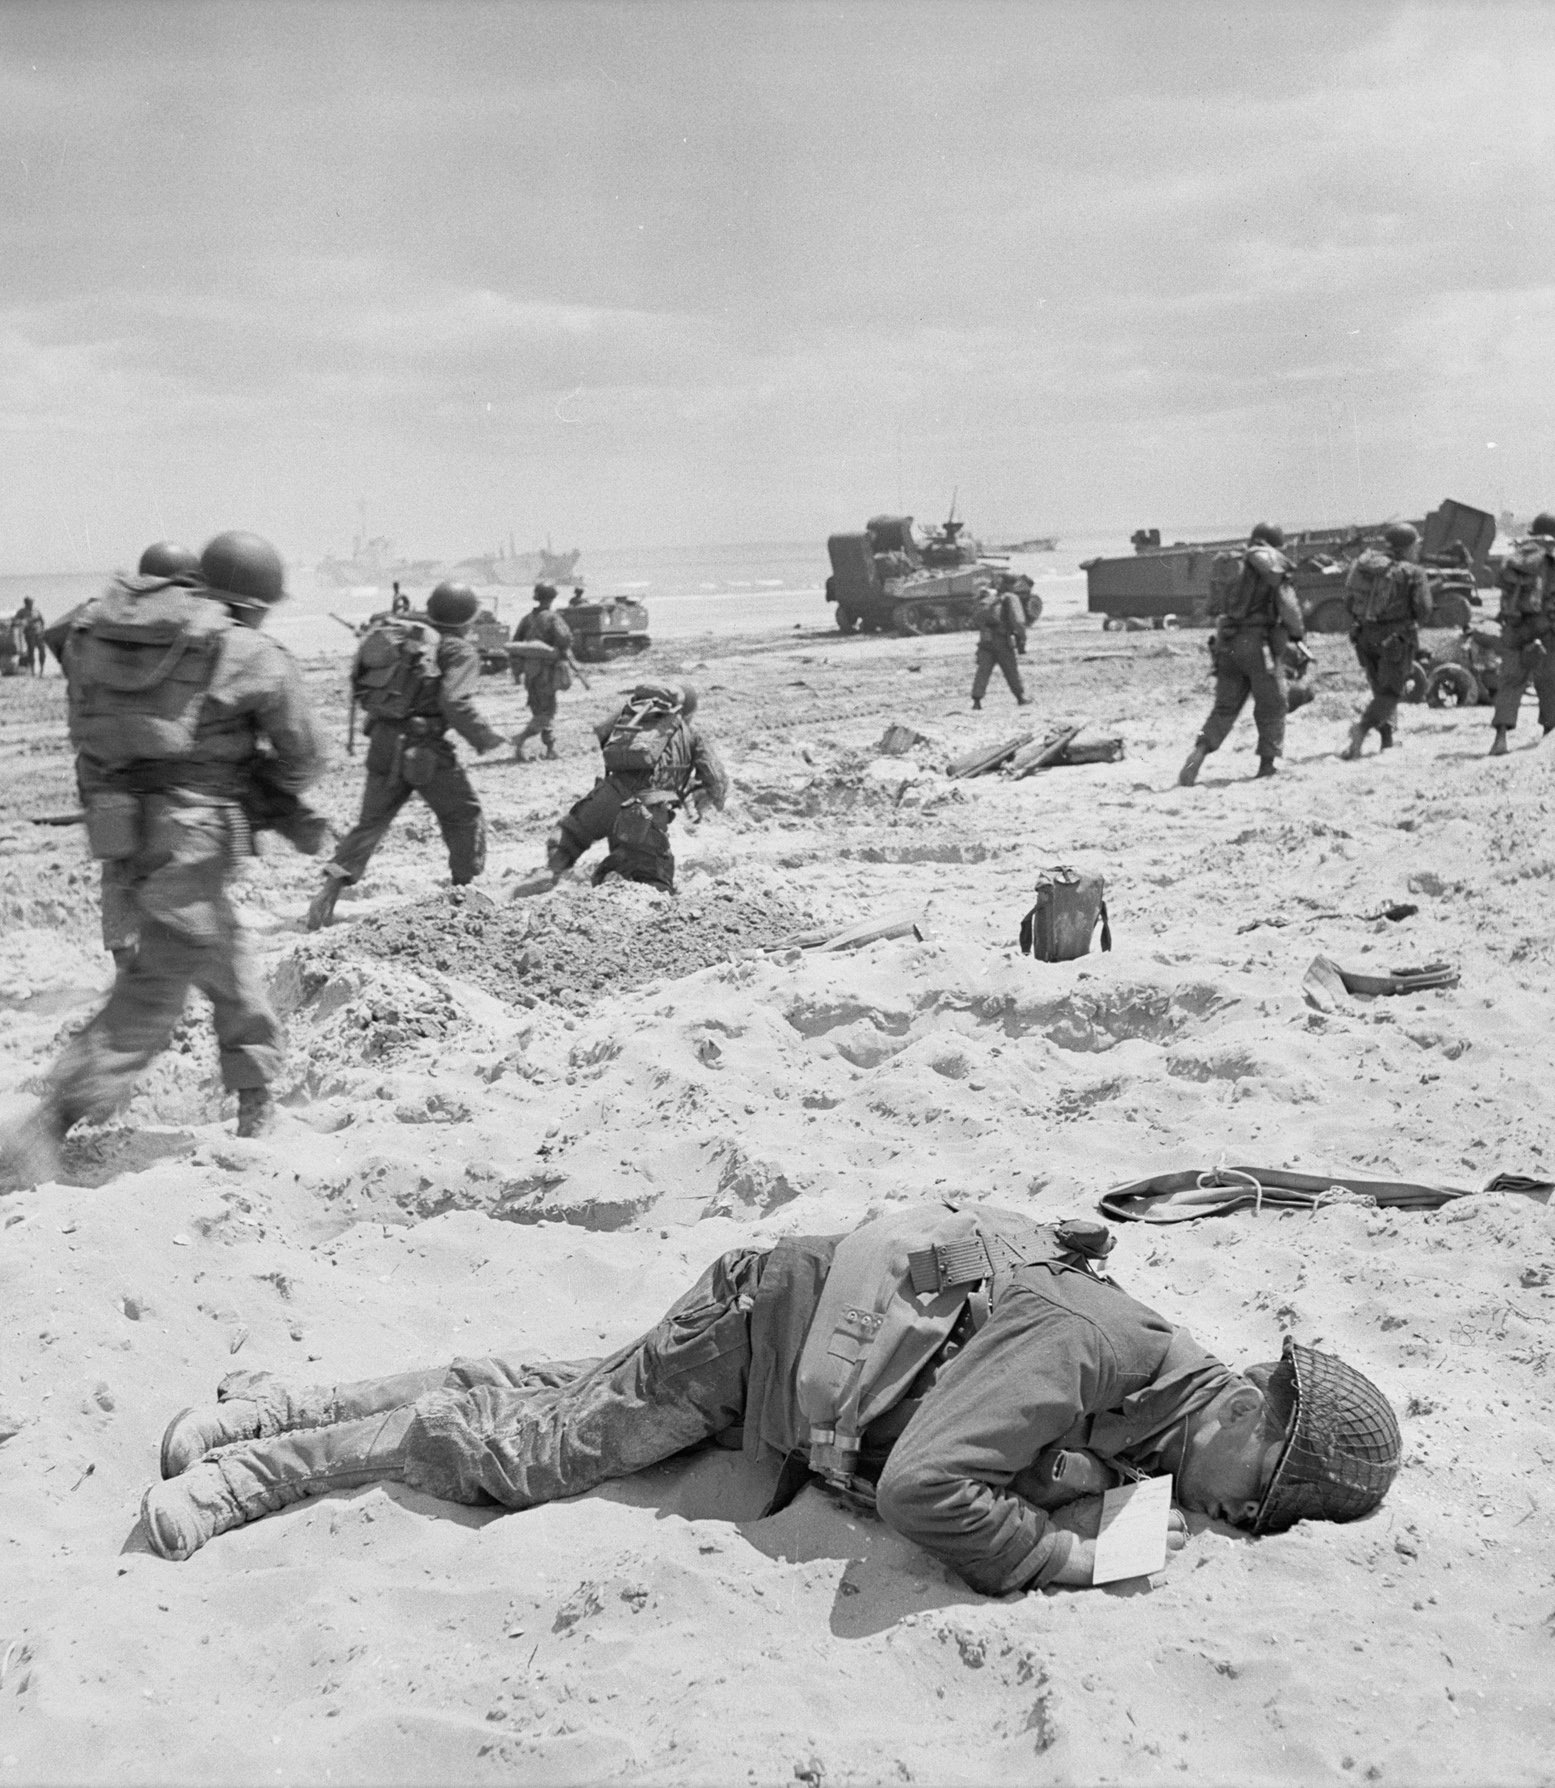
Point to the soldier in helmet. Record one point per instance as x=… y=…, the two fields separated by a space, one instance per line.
x=1390 y=600
x=541 y=676
x=414 y=682
x=992 y=1464
x=1260 y=618
x=1527 y=582
x=1001 y=634
x=174 y=695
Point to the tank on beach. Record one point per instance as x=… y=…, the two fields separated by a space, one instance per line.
x=888 y=580
x=1155 y=584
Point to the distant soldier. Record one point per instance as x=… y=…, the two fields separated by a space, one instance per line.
x=1001 y=633
x=414 y=680
x=1259 y=617
x=656 y=760
x=400 y=603
x=1389 y=599
x=175 y=696
x=578 y=598
x=541 y=675
x=1527 y=630
x=32 y=628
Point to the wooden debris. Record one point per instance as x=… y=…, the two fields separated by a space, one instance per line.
x=987 y=757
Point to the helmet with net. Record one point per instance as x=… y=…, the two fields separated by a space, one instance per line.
x=1342 y=1446
x=165 y=558
x=1401 y=536
x=243 y=570
x=452 y=605
x=1268 y=533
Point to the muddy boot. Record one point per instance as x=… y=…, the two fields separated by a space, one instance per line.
x=196 y=1431
x=259 y=1477
x=1385 y=734
x=1189 y=773
x=1265 y=768
x=1498 y=746
x=1357 y=739
x=321 y=909
x=256 y=1111
x=31 y=1150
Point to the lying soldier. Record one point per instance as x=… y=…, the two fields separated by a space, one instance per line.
x=1039 y=1377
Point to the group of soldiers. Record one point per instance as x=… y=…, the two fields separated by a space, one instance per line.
x=22 y=650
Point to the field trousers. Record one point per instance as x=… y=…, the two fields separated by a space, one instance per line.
x=1248 y=664
x=995 y=649
x=540 y=694
x=1520 y=666
x=1386 y=651
x=500 y=1430
x=449 y=793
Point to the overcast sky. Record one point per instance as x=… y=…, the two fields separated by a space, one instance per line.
x=667 y=273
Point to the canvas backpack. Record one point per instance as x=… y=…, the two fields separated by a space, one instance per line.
x=896 y=1288
x=990 y=609
x=395 y=668
x=644 y=730
x=1370 y=584
x=1524 y=576
x=140 y=660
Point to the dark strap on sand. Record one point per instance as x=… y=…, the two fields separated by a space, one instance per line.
x=1218 y=1191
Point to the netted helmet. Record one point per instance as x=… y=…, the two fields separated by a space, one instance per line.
x=545 y=594
x=1543 y=523
x=452 y=605
x=1401 y=537
x=165 y=558
x=244 y=570
x=1342 y=1446
x=1268 y=533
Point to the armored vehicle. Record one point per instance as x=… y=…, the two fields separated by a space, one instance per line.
x=1158 y=583
x=490 y=636
x=612 y=628
x=887 y=580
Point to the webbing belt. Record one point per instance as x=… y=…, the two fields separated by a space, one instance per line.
x=938 y=1268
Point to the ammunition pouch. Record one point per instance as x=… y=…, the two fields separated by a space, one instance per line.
x=112 y=825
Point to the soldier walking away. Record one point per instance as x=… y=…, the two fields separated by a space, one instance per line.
x=1001 y=634
x=990 y=1456
x=542 y=675
x=656 y=760
x=1259 y=617
x=175 y=696
x=414 y=680
x=1389 y=599
x=1527 y=630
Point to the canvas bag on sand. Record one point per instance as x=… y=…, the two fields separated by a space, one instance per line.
x=1060 y=926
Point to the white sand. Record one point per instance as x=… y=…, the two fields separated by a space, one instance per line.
x=654 y=1630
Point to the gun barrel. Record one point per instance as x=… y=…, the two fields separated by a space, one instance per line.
x=350 y=626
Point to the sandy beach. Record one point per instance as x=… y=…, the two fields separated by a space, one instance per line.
x=485 y=1149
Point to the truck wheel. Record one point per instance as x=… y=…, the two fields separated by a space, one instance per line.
x=1452 y=610
x=1451 y=686
x=1329 y=617
x=1414 y=683
x=1112 y=623
x=846 y=619
x=906 y=618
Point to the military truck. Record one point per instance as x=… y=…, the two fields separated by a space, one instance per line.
x=887 y=580
x=1156 y=584
x=489 y=634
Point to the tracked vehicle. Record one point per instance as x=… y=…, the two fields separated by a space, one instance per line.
x=887 y=580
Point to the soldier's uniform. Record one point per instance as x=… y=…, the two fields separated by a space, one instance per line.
x=1001 y=633
x=445 y=702
x=1388 y=606
x=546 y=628
x=172 y=828
x=1527 y=633
x=1261 y=619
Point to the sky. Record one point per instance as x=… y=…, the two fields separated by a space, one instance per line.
x=657 y=274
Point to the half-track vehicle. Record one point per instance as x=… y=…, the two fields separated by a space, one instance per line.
x=614 y=627
x=888 y=580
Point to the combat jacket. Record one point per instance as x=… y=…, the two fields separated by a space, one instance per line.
x=546 y=628
x=1065 y=1359
x=1008 y=622
x=1263 y=596
x=1533 y=616
x=1399 y=596
x=450 y=697
x=689 y=760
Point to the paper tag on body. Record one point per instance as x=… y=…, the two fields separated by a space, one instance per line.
x=1132 y=1539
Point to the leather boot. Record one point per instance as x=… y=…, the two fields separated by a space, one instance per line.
x=1357 y=739
x=240 y=1483
x=321 y=909
x=1265 y=768
x=1385 y=734
x=31 y=1151
x=977 y=706
x=256 y=1111
x=1189 y=773
x=201 y=1429
x=1498 y=746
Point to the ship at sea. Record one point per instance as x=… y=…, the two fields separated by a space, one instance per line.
x=1039 y=543
x=374 y=564
x=542 y=566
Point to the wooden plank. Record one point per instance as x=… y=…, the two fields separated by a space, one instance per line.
x=987 y=757
x=1046 y=754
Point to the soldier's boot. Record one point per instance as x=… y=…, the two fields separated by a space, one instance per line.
x=240 y=1483
x=32 y=1150
x=201 y=1429
x=1265 y=768
x=321 y=909
x=123 y=957
x=1385 y=734
x=977 y=706
x=1357 y=739
x=256 y=1111
x=1189 y=773
x=1023 y=701
x=1498 y=745
x=549 y=743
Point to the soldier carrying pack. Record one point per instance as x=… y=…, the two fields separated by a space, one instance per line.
x=395 y=669
x=644 y=730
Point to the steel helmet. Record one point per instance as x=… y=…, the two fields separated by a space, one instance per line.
x=1342 y=1446
x=1401 y=537
x=243 y=570
x=1543 y=523
x=545 y=594
x=452 y=605
x=688 y=699
x=1268 y=533
x=164 y=558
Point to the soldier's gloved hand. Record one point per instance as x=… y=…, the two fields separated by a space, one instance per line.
x=1083 y=1519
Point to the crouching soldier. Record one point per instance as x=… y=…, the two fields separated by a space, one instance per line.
x=656 y=760
x=997 y=1381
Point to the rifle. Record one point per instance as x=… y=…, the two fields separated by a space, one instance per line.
x=58 y=819
x=350 y=626
x=577 y=671
x=351 y=724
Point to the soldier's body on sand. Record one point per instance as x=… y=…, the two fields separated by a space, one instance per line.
x=656 y=760
x=1259 y=618
x=542 y=676
x=1527 y=581
x=415 y=682
x=1042 y=1381
x=175 y=698
x=1389 y=599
